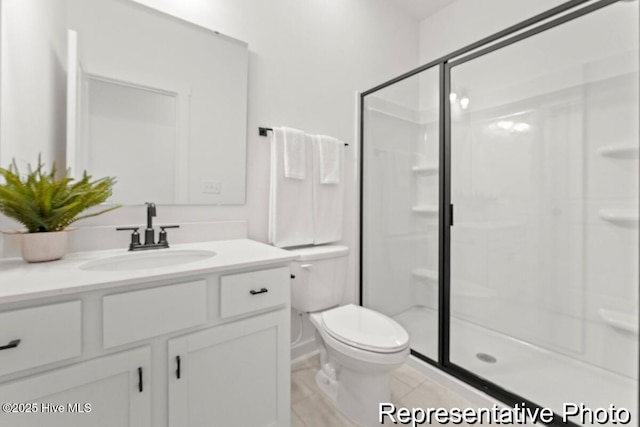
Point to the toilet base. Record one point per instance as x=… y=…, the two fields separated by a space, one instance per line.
x=357 y=396
x=328 y=383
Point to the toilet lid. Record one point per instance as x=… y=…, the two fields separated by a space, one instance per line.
x=366 y=329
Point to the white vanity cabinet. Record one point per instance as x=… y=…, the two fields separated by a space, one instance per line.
x=107 y=391
x=39 y=335
x=236 y=374
x=195 y=349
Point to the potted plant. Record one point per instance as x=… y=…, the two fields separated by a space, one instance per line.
x=47 y=204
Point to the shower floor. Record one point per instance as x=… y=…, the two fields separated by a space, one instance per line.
x=542 y=376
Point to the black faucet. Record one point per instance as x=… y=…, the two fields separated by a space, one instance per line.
x=149 y=238
x=149 y=233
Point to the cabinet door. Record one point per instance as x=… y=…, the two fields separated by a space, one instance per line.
x=104 y=392
x=232 y=375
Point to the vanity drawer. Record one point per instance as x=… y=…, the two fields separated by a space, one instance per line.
x=246 y=292
x=47 y=334
x=135 y=316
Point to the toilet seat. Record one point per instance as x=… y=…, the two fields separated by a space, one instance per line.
x=364 y=329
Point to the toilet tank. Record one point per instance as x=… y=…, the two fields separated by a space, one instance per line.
x=320 y=277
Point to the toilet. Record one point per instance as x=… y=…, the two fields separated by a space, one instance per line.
x=358 y=347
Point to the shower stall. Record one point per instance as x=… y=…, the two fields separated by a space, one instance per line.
x=500 y=209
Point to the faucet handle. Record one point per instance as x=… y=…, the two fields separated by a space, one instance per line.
x=135 y=236
x=162 y=236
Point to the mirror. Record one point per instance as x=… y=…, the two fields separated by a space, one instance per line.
x=157 y=102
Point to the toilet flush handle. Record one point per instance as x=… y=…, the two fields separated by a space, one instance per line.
x=306 y=266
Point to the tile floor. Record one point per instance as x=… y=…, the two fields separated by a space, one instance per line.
x=409 y=388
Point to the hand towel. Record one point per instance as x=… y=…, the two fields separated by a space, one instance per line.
x=331 y=152
x=290 y=200
x=295 y=157
x=328 y=198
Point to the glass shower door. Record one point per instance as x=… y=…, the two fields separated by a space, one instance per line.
x=400 y=206
x=544 y=183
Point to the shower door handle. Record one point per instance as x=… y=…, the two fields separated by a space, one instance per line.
x=451 y=215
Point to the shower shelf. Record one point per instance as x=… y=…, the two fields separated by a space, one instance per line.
x=425 y=170
x=622 y=321
x=619 y=151
x=425 y=274
x=425 y=209
x=628 y=218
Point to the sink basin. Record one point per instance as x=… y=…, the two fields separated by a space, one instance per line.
x=145 y=260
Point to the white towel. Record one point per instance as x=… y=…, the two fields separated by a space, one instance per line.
x=331 y=152
x=290 y=200
x=295 y=158
x=328 y=200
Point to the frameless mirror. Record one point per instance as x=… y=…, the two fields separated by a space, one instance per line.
x=157 y=102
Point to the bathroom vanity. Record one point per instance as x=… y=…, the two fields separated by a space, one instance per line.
x=110 y=339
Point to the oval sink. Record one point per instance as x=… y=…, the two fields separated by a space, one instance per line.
x=146 y=260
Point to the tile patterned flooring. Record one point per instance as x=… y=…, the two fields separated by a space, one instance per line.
x=409 y=388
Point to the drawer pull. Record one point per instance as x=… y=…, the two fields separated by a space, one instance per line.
x=261 y=291
x=140 y=379
x=178 y=369
x=12 y=344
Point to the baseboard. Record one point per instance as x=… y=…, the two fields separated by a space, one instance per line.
x=303 y=350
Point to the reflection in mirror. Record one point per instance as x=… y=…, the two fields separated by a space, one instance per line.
x=157 y=102
x=128 y=126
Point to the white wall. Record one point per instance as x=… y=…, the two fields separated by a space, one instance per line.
x=467 y=21
x=32 y=82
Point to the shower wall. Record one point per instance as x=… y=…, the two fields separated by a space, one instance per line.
x=611 y=285
x=561 y=192
x=394 y=131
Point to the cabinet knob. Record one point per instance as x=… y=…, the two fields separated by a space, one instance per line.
x=261 y=291
x=12 y=344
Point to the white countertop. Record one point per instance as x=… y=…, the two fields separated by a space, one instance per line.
x=20 y=281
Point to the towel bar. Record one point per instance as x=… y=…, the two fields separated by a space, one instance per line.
x=263 y=132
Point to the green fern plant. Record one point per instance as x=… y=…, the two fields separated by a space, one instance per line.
x=43 y=203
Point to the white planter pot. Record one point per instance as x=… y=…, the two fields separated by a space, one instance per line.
x=40 y=247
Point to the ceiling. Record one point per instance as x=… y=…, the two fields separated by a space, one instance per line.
x=421 y=9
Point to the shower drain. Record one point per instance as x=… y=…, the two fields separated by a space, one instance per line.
x=487 y=358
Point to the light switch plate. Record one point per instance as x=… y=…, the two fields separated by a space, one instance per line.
x=211 y=187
